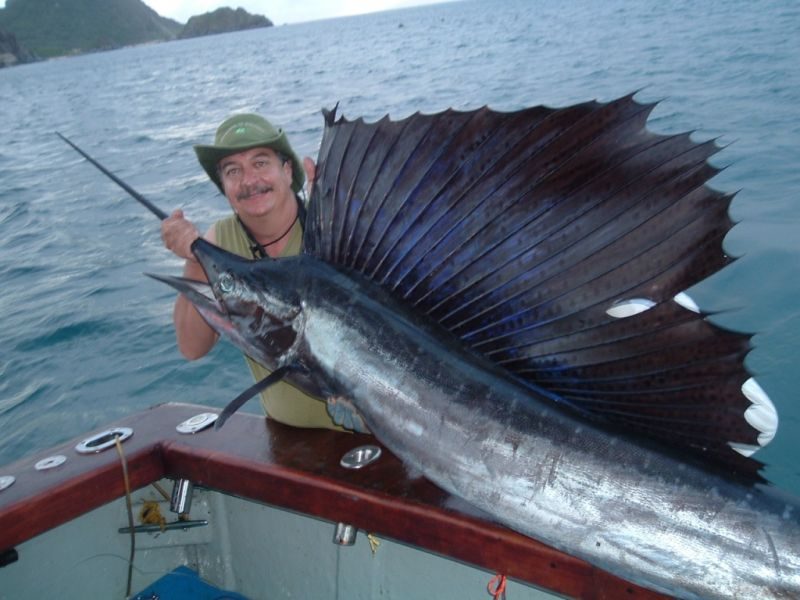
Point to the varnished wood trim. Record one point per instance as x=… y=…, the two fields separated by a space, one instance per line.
x=297 y=469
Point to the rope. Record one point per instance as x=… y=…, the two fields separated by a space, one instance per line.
x=162 y=491
x=497 y=587
x=130 y=512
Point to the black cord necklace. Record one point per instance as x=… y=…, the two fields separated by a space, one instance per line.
x=258 y=249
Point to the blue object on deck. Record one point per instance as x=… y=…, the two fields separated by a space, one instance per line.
x=185 y=584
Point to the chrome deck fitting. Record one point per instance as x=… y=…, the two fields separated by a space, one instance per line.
x=360 y=457
x=181 y=500
x=344 y=534
x=103 y=440
x=51 y=462
x=197 y=423
x=6 y=481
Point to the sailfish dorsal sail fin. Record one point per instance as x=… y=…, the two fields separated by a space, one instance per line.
x=552 y=241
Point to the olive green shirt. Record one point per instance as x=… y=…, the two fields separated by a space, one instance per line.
x=281 y=401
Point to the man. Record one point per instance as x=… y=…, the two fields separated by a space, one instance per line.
x=253 y=165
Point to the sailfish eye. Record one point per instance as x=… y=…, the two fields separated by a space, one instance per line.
x=226 y=283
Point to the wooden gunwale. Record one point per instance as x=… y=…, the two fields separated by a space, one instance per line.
x=297 y=469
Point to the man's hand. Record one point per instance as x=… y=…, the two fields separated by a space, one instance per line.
x=178 y=233
x=311 y=174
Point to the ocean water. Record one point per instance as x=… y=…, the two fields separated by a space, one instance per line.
x=86 y=338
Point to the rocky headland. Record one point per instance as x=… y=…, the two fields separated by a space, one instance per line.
x=222 y=20
x=11 y=53
x=34 y=29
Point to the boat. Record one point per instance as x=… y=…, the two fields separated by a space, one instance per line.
x=262 y=510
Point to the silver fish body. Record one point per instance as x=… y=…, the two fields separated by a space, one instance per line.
x=508 y=448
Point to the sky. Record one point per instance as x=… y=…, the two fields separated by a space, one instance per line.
x=279 y=11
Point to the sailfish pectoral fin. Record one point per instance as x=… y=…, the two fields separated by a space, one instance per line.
x=256 y=388
x=344 y=413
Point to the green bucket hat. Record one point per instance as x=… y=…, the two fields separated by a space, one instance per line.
x=245 y=132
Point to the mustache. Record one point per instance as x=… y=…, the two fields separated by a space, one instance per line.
x=252 y=190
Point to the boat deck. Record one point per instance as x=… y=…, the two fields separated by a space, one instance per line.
x=296 y=469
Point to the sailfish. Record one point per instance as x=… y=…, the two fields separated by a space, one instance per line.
x=500 y=298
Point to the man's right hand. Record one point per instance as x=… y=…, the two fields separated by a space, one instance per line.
x=178 y=233
x=311 y=174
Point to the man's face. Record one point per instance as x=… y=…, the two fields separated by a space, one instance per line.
x=256 y=181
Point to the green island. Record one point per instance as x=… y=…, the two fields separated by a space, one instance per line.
x=39 y=29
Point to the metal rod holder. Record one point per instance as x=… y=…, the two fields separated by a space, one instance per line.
x=344 y=534
x=181 y=501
